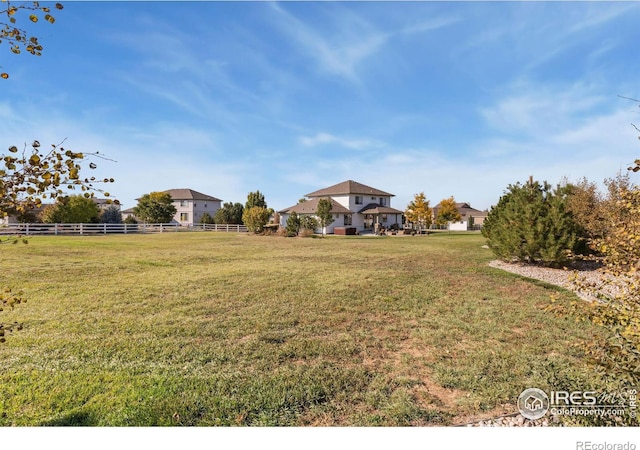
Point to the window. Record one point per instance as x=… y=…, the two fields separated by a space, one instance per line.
x=384 y=218
x=348 y=219
x=184 y=203
x=383 y=201
x=358 y=199
x=184 y=217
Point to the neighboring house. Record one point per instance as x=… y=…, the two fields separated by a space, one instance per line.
x=354 y=205
x=471 y=218
x=126 y=213
x=104 y=203
x=190 y=206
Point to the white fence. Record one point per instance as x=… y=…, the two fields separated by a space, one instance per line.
x=32 y=229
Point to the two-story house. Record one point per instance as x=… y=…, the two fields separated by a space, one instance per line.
x=354 y=205
x=190 y=206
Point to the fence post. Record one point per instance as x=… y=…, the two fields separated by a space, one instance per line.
x=55 y=229
x=27 y=230
x=81 y=229
x=104 y=226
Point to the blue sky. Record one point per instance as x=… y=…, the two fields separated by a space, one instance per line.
x=448 y=98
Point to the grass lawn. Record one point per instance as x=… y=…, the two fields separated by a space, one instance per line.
x=227 y=329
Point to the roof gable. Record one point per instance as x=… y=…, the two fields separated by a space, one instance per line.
x=311 y=206
x=189 y=194
x=463 y=208
x=349 y=187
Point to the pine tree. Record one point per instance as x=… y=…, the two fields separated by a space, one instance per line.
x=293 y=224
x=531 y=223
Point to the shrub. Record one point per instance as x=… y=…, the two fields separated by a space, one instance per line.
x=308 y=223
x=255 y=218
x=206 y=218
x=618 y=305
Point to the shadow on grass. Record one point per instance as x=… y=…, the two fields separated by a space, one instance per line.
x=74 y=419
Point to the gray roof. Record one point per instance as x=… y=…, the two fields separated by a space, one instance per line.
x=346 y=188
x=311 y=206
x=190 y=194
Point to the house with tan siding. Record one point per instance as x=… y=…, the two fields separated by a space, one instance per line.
x=190 y=206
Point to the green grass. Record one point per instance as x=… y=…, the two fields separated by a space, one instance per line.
x=227 y=329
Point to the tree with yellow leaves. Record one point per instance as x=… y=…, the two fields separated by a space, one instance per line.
x=447 y=212
x=418 y=212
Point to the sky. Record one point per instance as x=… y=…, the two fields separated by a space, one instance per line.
x=447 y=98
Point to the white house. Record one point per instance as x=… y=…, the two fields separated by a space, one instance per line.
x=354 y=205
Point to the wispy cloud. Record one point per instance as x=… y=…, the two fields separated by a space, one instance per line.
x=339 y=58
x=597 y=17
x=531 y=109
x=348 y=41
x=327 y=138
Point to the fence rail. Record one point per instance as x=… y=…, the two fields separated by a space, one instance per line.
x=32 y=229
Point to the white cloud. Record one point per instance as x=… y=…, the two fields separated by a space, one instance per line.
x=535 y=109
x=348 y=40
x=327 y=138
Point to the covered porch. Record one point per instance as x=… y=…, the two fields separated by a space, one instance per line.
x=379 y=218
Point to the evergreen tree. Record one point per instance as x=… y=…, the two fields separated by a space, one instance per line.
x=111 y=214
x=293 y=224
x=230 y=213
x=255 y=199
x=530 y=223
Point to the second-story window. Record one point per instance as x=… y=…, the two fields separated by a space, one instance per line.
x=184 y=203
x=358 y=199
x=383 y=201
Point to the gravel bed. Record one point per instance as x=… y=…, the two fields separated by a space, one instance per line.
x=557 y=277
